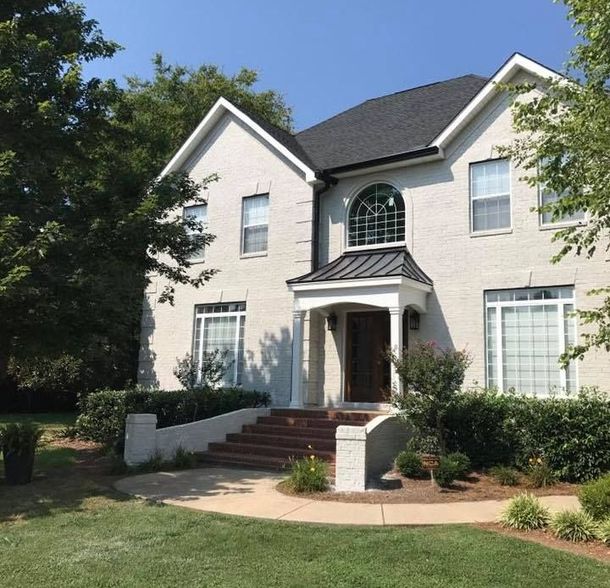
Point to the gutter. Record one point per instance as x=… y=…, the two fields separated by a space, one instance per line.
x=329 y=181
x=415 y=154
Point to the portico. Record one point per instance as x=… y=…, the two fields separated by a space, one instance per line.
x=365 y=299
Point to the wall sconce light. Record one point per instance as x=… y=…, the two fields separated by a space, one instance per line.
x=331 y=322
x=413 y=320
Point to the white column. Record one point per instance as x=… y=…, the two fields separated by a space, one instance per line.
x=396 y=342
x=296 y=392
x=140 y=438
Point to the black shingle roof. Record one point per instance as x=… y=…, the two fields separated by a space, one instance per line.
x=389 y=125
x=378 y=263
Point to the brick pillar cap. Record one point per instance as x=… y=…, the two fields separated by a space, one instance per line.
x=142 y=419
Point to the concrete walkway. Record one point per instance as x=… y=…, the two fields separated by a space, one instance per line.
x=253 y=494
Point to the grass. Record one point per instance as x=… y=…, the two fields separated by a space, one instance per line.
x=47 y=457
x=69 y=528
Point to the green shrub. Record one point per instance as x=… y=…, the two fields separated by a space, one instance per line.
x=603 y=531
x=20 y=438
x=495 y=428
x=504 y=475
x=462 y=462
x=574 y=525
x=525 y=512
x=308 y=474
x=448 y=471
x=540 y=475
x=595 y=497
x=155 y=464
x=184 y=460
x=102 y=414
x=478 y=424
x=408 y=463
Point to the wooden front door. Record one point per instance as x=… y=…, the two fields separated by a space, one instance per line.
x=367 y=377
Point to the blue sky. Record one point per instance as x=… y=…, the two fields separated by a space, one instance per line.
x=327 y=55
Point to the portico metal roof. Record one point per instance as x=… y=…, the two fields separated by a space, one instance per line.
x=376 y=263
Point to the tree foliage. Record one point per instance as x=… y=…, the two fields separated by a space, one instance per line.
x=83 y=221
x=564 y=145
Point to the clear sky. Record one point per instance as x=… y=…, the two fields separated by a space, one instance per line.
x=327 y=55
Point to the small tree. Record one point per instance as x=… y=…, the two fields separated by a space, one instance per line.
x=430 y=376
x=208 y=374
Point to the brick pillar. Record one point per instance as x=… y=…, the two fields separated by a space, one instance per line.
x=140 y=438
x=350 y=464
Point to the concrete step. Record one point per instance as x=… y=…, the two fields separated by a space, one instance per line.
x=284 y=452
x=247 y=460
x=285 y=431
x=304 y=442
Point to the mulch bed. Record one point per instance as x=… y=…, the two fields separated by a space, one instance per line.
x=399 y=490
x=594 y=549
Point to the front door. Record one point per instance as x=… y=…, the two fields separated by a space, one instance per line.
x=367 y=377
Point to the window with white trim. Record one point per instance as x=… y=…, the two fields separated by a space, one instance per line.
x=526 y=332
x=255 y=224
x=221 y=326
x=376 y=216
x=490 y=195
x=546 y=216
x=199 y=213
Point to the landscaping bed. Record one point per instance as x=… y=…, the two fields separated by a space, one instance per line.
x=478 y=486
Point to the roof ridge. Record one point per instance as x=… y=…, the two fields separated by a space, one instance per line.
x=470 y=75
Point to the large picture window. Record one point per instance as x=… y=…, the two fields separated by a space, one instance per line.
x=490 y=195
x=255 y=224
x=526 y=332
x=221 y=326
x=376 y=216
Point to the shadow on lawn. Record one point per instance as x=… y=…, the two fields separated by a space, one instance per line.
x=61 y=487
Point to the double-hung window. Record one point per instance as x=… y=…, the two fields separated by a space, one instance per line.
x=221 y=327
x=490 y=195
x=255 y=226
x=199 y=213
x=548 y=197
x=526 y=332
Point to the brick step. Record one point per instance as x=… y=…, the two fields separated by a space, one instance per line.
x=284 y=431
x=248 y=460
x=282 y=441
x=304 y=422
x=285 y=452
x=341 y=415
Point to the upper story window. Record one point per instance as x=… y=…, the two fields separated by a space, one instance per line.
x=376 y=216
x=199 y=213
x=255 y=224
x=490 y=195
x=546 y=216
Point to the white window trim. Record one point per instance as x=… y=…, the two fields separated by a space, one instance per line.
x=556 y=225
x=242 y=254
x=203 y=315
x=348 y=207
x=498 y=305
x=499 y=230
x=200 y=258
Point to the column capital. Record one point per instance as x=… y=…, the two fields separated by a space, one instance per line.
x=298 y=314
x=396 y=309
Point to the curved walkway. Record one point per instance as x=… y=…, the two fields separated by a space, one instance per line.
x=253 y=494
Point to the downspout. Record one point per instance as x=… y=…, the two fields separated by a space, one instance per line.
x=329 y=181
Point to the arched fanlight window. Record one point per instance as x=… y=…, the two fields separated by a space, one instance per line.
x=376 y=216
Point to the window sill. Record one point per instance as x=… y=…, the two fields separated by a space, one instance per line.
x=251 y=255
x=376 y=246
x=559 y=226
x=196 y=261
x=492 y=232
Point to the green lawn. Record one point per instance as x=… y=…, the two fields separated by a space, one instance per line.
x=69 y=528
x=47 y=457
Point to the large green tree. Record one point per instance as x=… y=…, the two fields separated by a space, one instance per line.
x=564 y=145
x=83 y=221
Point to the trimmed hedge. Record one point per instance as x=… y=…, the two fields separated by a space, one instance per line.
x=102 y=414
x=573 y=434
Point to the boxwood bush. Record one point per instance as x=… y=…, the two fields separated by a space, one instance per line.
x=102 y=414
x=595 y=498
x=572 y=433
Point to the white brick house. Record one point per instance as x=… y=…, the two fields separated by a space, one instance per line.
x=392 y=222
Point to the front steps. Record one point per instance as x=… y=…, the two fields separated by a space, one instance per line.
x=284 y=435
